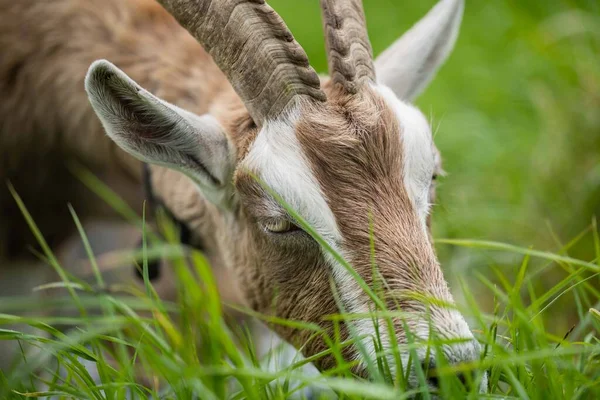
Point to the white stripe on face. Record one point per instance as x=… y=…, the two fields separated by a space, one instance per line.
x=276 y=156
x=418 y=150
x=419 y=165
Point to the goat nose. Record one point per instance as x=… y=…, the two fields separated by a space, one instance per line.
x=431 y=374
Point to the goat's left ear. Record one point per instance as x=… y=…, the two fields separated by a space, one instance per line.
x=157 y=132
x=410 y=63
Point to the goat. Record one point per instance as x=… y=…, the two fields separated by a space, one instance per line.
x=348 y=153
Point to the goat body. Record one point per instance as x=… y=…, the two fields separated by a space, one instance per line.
x=46 y=122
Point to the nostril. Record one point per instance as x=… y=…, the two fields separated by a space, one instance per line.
x=462 y=378
x=466 y=379
x=432 y=379
x=432 y=376
x=429 y=369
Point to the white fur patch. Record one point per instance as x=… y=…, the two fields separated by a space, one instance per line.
x=419 y=154
x=277 y=158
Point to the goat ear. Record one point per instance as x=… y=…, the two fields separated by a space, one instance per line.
x=410 y=63
x=157 y=132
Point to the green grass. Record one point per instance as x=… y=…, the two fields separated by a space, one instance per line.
x=143 y=346
x=516 y=112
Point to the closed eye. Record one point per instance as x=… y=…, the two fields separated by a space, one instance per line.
x=280 y=226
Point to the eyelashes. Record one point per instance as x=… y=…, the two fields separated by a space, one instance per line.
x=279 y=226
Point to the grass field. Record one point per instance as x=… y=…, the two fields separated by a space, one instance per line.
x=516 y=112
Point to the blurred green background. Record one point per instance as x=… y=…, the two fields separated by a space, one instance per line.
x=516 y=111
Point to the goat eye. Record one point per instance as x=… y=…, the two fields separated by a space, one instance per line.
x=279 y=226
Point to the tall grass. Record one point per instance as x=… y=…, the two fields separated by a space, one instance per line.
x=116 y=343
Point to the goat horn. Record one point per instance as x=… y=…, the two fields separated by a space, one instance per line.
x=252 y=45
x=348 y=48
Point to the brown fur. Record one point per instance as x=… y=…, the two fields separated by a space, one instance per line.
x=357 y=156
x=353 y=143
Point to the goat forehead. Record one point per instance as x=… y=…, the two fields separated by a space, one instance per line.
x=371 y=153
x=373 y=149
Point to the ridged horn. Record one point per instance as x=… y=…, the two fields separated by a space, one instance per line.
x=252 y=45
x=349 y=50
